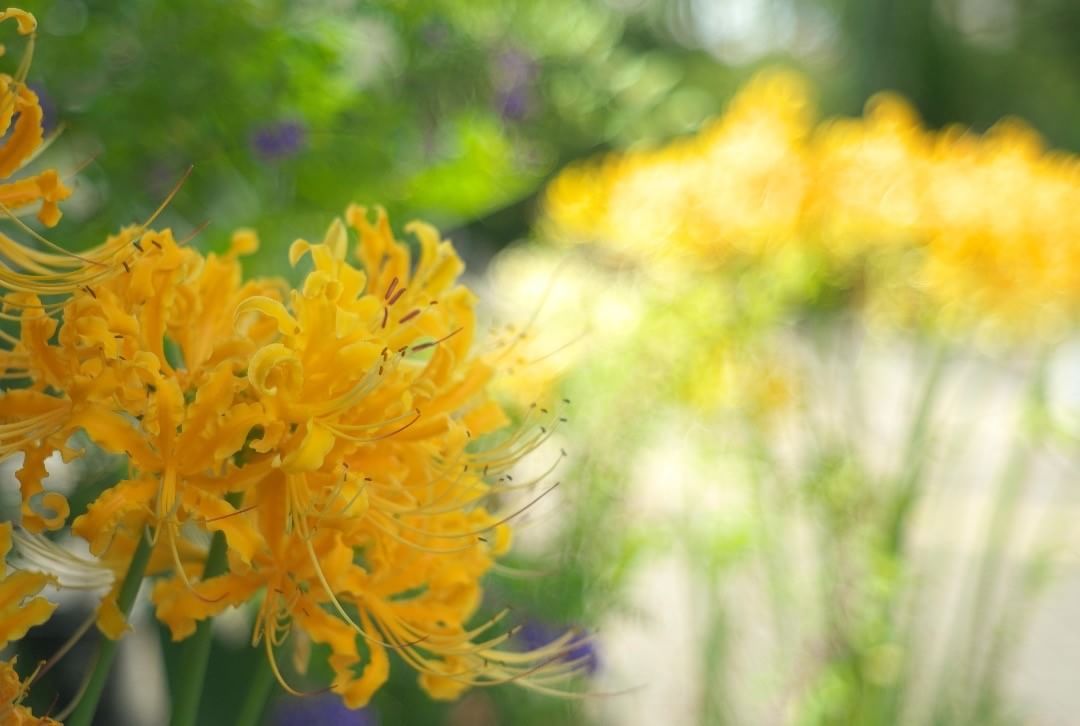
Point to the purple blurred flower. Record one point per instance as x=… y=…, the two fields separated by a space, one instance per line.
x=514 y=105
x=279 y=140
x=535 y=634
x=50 y=114
x=323 y=710
x=513 y=74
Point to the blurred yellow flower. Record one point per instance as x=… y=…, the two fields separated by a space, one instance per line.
x=951 y=225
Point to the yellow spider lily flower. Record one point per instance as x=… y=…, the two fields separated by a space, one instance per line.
x=373 y=501
x=332 y=434
x=345 y=415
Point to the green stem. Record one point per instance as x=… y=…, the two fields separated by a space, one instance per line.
x=989 y=573
x=713 y=698
x=884 y=701
x=84 y=712
x=196 y=652
x=762 y=463
x=262 y=682
x=915 y=455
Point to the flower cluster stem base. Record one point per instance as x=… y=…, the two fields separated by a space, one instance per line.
x=83 y=714
x=259 y=688
x=196 y=653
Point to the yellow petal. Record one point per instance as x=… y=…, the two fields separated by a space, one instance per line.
x=275 y=366
x=271 y=308
x=217 y=515
x=485 y=418
x=19 y=610
x=101 y=519
x=442 y=688
x=312 y=451
x=27 y=22
x=110 y=619
x=243 y=242
x=181 y=607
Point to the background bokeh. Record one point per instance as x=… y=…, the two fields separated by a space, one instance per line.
x=457 y=111
x=772 y=511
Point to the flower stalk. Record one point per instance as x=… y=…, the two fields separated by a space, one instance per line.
x=84 y=713
x=196 y=650
x=259 y=689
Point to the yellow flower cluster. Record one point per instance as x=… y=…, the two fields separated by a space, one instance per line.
x=965 y=226
x=333 y=434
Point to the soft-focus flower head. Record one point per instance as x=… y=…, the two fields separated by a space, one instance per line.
x=736 y=186
x=324 y=709
x=279 y=140
x=951 y=227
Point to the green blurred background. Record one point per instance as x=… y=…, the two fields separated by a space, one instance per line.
x=458 y=112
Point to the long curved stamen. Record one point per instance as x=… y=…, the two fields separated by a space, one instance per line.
x=489 y=491
x=301 y=526
x=491 y=667
x=483 y=530
x=64 y=649
x=389 y=532
x=39 y=553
